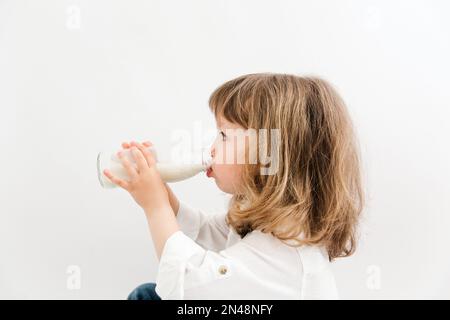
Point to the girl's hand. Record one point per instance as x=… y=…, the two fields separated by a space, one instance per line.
x=145 y=185
x=174 y=202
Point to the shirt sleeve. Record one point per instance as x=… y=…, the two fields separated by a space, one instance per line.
x=209 y=230
x=185 y=263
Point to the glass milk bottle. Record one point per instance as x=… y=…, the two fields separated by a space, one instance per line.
x=169 y=171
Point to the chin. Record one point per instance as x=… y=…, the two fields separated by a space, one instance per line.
x=220 y=186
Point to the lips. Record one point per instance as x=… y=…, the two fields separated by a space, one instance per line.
x=209 y=172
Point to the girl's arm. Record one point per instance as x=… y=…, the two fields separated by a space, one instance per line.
x=167 y=216
x=174 y=202
x=162 y=224
x=149 y=191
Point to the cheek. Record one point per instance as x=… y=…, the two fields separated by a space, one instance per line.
x=228 y=174
x=231 y=152
x=221 y=171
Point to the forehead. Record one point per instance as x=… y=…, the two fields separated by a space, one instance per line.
x=219 y=121
x=223 y=123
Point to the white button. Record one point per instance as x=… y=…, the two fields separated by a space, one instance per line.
x=223 y=269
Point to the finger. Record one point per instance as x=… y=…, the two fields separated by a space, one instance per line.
x=152 y=153
x=139 y=158
x=125 y=145
x=121 y=183
x=145 y=143
x=147 y=154
x=133 y=143
x=131 y=171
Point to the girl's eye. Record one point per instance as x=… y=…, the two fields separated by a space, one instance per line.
x=223 y=135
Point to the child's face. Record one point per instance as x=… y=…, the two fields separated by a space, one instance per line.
x=226 y=173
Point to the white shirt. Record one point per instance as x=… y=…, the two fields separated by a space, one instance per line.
x=206 y=259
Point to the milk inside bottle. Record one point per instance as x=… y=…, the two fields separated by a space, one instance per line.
x=169 y=171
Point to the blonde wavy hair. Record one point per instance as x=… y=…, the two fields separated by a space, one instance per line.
x=316 y=196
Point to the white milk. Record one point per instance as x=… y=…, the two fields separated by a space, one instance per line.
x=170 y=172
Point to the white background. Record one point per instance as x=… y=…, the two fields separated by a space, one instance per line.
x=81 y=76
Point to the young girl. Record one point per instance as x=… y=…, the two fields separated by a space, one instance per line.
x=283 y=226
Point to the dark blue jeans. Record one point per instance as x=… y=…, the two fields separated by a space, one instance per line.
x=145 y=291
